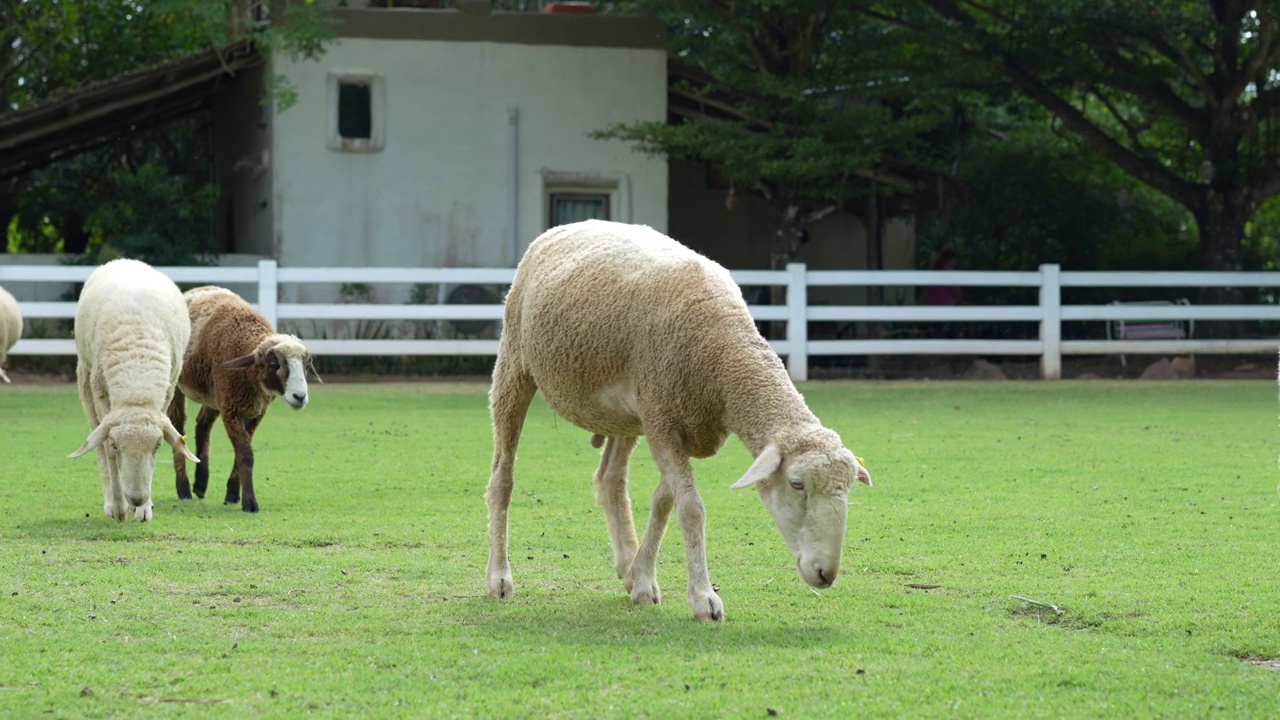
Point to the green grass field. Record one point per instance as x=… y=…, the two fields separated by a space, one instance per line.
x=1147 y=513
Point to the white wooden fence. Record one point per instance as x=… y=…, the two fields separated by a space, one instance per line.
x=797 y=348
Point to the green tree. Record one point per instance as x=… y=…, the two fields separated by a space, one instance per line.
x=1031 y=197
x=108 y=187
x=1182 y=96
x=807 y=100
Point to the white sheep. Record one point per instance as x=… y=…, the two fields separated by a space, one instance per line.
x=627 y=332
x=235 y=365
x=10 y=327
x=131 y=331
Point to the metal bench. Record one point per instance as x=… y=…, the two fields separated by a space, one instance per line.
x=1150 y=329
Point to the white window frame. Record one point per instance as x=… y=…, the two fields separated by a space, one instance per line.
x=615 y=185
x=377 y=112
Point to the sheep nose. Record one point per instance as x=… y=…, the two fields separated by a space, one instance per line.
x=300 y=396
x=826 y=577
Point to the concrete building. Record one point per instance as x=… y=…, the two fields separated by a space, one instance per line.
x=443 y=138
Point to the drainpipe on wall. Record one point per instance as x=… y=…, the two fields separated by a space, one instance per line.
x=513 y=183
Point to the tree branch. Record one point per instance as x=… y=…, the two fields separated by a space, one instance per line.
x=753 y=49
x=1161 y=95
x=1148 y=171
x=1263 y=58
x=1181 y=54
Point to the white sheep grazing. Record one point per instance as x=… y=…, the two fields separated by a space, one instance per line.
x=627 y=332
x=10 y=327
x=131 y=331
x=235 y=365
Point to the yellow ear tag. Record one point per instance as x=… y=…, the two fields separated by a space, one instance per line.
x=184 y=442
x=861 y=462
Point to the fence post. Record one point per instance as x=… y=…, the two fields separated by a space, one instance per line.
x=268 y=290
x=797 y=322
x=1051 y=322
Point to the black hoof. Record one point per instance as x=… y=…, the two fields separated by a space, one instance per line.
x=184 y=491
x=250 y=506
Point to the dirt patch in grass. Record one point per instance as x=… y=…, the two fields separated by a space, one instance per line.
x=1272 y=664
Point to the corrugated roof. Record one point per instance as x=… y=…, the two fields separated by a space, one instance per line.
x=69 y=122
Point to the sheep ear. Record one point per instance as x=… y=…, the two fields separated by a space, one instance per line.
x=765 y=465
x=862 y=474
x=94 y=440
x=3 y=376
x=311 y=371
x=178 y=442
x=239 y=363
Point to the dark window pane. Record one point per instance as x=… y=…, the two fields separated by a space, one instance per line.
x=573 y=207
x=355 y=111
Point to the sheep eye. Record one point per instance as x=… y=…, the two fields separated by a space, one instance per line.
x=797 y=485
x=158 y=444
x=114 y=447
x=272 y=362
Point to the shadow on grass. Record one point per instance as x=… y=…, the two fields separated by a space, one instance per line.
x=90 y=523
x=607 y=619
x=96 y=526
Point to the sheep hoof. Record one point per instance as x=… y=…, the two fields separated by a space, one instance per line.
x=501 y=587
x=184 y=490
x=250 y=506
x=707 y=607
x=646 y=594
x=142 y=514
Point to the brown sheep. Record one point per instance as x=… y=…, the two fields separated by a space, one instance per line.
x=236 y=365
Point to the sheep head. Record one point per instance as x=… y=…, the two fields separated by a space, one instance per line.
x=283 y=365
x=804 y=481
x=129 y=438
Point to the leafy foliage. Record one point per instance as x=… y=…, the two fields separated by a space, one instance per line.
x=1182 y=96
x=806 y=101
x=145 y=194
x=47 y=47
x=1032 y=198
x=156 y=217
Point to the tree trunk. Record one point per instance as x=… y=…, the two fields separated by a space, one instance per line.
x=8 y=208
x=787 y=231
x=75 y=240
x=1220 y=218
x=875 y=257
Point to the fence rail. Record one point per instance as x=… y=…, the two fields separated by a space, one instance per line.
x=797 y=313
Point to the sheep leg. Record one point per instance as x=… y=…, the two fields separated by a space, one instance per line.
x=611 y=494
x=678 y=475
x=204 y=426
x=96 y=406
x=85 y=386
x=508 y=403
x=233 y=480
x=642 y=581
x=240 y=483
x=178 y=416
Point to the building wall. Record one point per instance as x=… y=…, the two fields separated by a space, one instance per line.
x=437 y=193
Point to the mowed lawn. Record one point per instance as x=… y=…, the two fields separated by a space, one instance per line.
x=1145 y=512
